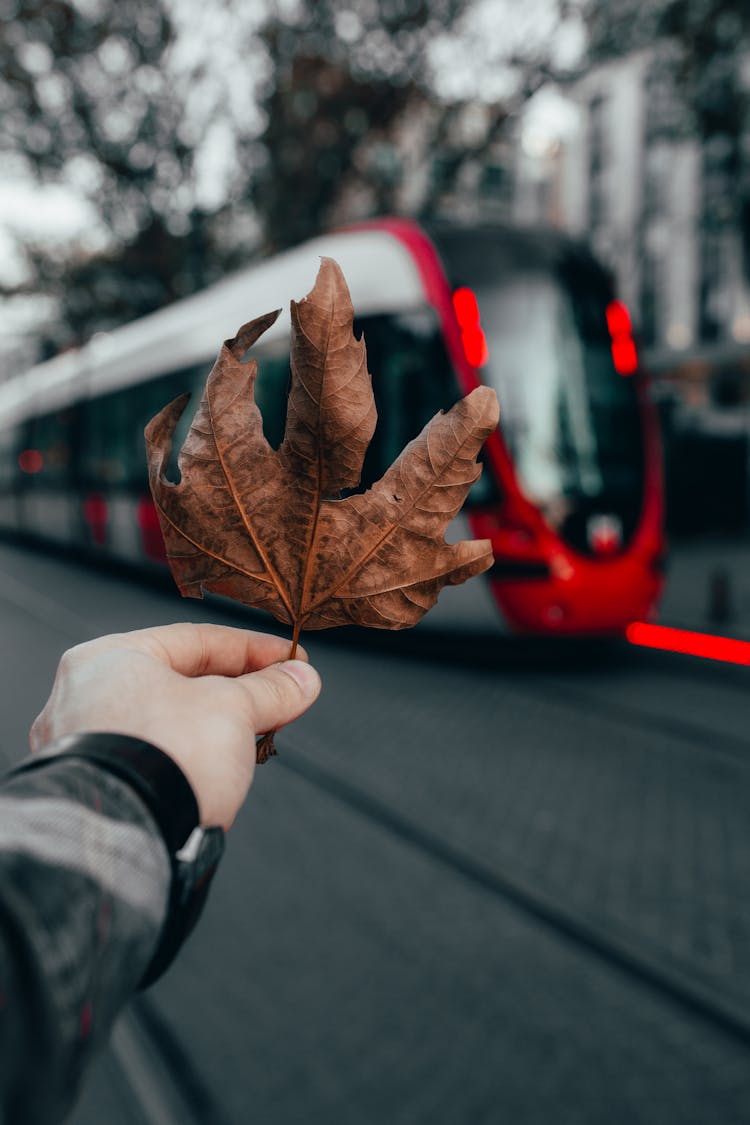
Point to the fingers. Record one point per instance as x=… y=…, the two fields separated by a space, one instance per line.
x=278 y=694
x=38 y=735
x=205 y=650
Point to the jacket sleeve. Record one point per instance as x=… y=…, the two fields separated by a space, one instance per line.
x=84 y=886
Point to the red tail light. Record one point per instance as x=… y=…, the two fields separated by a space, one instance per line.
x=472 y=337
x=151 y=537
x=96 y=514
x=30 y=461
x=618 y=319
x=624 y=354
x=466 y=308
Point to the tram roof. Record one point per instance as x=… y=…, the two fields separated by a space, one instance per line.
x=379 y=270
x=475 y=253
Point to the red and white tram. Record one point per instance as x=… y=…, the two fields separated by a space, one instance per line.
x=571 y=495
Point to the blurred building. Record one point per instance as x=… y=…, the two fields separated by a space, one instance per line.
x=625 y=169
x=630 y=176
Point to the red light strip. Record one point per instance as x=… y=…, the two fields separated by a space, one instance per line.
x=689 y=644
x=472 y=337
x=618 y=319
x=624 y=355
x=466 y=308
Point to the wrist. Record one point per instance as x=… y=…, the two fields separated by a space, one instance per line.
x=194 y=852
x=153 y=774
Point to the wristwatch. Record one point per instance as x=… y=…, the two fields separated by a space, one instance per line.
x=194 y=851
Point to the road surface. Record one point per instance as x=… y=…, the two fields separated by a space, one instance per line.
x=480 y=884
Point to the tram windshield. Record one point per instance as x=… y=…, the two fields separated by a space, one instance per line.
x=570 y=422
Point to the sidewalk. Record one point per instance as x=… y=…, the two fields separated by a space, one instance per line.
x=708 y=586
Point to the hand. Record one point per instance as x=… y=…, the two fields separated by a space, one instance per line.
x=200 y=693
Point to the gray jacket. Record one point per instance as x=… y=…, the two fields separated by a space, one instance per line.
x=87 y=887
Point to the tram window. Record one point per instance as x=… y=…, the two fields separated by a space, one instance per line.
x=8 y=457
x=51 y=442
x=104 y=450
x=412 y=379
x=113 y=452
x=146 y=400
x=271 y=389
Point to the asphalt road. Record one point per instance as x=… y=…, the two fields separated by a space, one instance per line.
x=482 y=883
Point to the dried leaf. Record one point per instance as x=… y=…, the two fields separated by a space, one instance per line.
x=268 y=528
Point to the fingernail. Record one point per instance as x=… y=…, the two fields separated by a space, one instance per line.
x=304 y=675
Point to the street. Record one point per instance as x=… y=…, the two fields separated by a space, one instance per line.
x=504 y=884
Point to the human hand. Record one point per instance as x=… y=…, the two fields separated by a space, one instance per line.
x=200 y=693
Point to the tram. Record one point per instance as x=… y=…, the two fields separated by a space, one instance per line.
x=571 y=493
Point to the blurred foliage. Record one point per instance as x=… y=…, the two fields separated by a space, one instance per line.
x=348 y=124
x=353 y=125
x=341 y=83
x=83 y=90
x=86 y=100
x=319 y=114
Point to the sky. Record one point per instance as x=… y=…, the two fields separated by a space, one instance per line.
x=475 y=64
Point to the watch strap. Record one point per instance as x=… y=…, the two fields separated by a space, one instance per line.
x=155 y=776
x=193 y=869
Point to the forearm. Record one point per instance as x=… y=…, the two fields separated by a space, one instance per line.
x=84 y=885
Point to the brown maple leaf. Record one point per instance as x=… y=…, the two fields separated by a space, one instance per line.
x=268 y=528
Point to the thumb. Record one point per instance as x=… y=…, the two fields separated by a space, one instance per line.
x=280 y=693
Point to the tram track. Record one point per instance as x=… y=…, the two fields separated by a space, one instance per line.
x=698 y=737
x=160 y=1073
x=547 y=660
x=149 y=1047
x=644 y=963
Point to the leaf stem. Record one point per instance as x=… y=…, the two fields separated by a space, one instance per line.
x=295 y=638
x=264 y=747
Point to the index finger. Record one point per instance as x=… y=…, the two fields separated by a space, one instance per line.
x=205 y=650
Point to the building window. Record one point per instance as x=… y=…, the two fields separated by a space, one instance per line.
x=649 y=298
x=711 y=287
x=598 y=160
x=718 y=220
